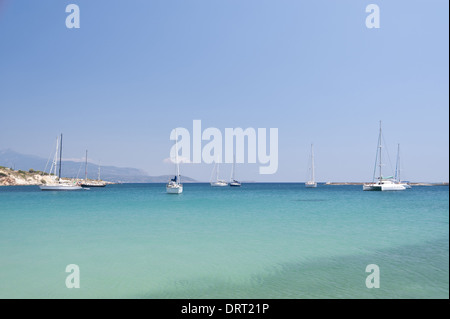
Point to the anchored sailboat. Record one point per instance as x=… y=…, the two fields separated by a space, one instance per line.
x=86 y=183
x=233 y=181
x=384 y=183
x=218 y=182
x=174 y=186
x=57 y=184
x=312 y=182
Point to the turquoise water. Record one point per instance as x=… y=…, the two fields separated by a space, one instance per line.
x=257 y=241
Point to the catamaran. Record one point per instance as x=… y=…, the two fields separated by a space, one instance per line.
x=218 y=182
x=91 y=184
x=312 y=182
x=174 y=186
x=383 y=183
x=57 y=184
x=233 y=181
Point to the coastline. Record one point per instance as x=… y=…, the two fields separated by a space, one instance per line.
x=10 y=177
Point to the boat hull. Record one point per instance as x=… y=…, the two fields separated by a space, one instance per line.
x=383 y=187
x=60 y=187
x=393 y=187
x=371 y=187
x=174 y=190
x=310 y=184
x=93 y=185
x=219 y=184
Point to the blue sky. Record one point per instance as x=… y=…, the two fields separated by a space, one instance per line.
x=137 y=69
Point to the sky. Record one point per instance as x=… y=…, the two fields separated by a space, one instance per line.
x=135 y=70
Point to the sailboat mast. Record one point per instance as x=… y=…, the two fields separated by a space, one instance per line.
x=55 y=159
x=85 y=168
x=313 y=178
x=60 y=158
x=176 y=155
x=233 y=167
x=379 y=149
x=397 y=166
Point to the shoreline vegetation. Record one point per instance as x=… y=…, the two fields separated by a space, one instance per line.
x=10 y=177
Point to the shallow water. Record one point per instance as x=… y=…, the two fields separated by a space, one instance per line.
x=258 y=241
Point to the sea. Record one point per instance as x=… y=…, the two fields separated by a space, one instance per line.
x=269 y=241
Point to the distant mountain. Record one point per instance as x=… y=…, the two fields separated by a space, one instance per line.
x=72 y=169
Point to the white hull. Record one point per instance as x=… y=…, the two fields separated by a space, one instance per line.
x=310 y=184
x=393 y=187
x=219 y=184
x=174 y=189
x=371 y=187
x=383 y=186
x=235 y=184
x=61 y=187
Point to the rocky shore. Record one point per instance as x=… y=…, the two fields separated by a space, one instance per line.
x=9 y=177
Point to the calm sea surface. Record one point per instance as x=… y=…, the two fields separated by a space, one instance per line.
x=257 y=241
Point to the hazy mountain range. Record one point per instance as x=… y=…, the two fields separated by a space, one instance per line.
x=12 y=159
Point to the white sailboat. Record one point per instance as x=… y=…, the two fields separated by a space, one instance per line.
x=57 y=184
x=312 y=182
x=218 y=182
x=174 y=186
x=383 y=183
x=233 y=181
